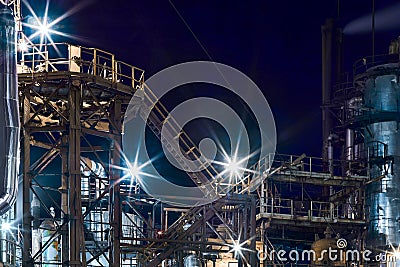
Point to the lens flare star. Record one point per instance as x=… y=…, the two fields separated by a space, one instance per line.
x=239 y=248
x=234 y=167
x=44 y=27
x=395 y=253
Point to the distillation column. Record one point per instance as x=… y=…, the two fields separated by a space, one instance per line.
x=382 y=140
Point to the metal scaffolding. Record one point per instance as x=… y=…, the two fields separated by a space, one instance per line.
x=72 y=107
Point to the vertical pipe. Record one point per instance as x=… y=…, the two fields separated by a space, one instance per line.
x=95 y=62
x=330 y=153
x=373 y=31
x=263 y=242
x=113 y=69
x=162 y=217
x=349 y=144
x=339 y=56
x=326 y=30
x=166 y=221
x=153 y=221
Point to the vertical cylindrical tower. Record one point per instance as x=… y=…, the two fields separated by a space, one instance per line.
x=382 y=140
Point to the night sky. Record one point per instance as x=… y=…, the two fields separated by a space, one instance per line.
x=276 y=43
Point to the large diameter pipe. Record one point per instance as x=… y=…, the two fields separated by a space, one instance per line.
x=9 y=113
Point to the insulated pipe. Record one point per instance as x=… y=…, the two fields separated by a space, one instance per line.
x=89 y=166
x=9 y=112
x=330 y=153
x=349 y=144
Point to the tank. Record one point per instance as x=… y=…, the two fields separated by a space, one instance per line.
x=9 y=112
x=192 y=261
x=321 y=248
x=382 y=139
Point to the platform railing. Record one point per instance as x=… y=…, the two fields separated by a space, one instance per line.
x=306 y=164
x=344 y=91
x=366 y=63
x=66 y=57
x=299 y=164
x=280 y=207
x=312 y=209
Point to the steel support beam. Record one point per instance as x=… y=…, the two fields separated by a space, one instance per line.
x=27 y=179
x=253 y=213
x=115 y=197
x=74 y=173
x=64 y=202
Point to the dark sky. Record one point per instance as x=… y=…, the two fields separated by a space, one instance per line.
x=276 y=43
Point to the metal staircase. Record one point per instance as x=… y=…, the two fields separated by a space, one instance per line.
x=157 y=118
x=190 y=159
x=195 y=217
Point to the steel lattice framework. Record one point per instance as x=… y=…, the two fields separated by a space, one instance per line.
x=63 y=107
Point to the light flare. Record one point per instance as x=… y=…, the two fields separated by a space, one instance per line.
x=239 y=247
x=234 y=167
x=44 y=26
x=395 y=252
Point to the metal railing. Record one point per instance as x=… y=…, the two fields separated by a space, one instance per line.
x=307 y=164
x=369 y=149
x=300 y=165
x=312 y=209
x=66 y=57
x=344 y=91
x=366 y=63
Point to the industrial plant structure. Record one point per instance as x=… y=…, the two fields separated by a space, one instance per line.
x=65 y=113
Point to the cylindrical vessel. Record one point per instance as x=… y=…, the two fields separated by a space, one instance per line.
x=192 y=261
x=322 y=258
x=349 y=144
x=382 y=141
x=326 y=252
x=9 y=112
x=50 y=256
x=37 y=243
